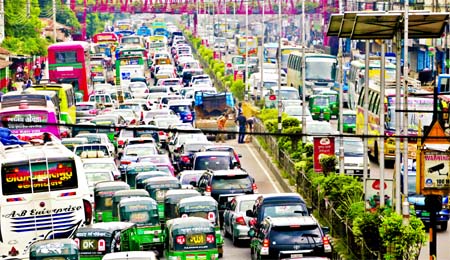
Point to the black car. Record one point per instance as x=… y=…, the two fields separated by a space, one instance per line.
x=236 y=181
x=289 y=237
x=187 y=151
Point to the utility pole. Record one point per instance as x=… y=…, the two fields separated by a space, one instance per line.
x=54 y=19
x=2 y=20
x=28 y=8
x=279 y=69
x=261 y=59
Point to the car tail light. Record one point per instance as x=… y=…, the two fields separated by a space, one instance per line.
x=252 y=222
x=180 y=240
x=326 y=244
x=125 y=162
x=266 y=243
x=185 y=159
x=254 y=188
x=133 y=121
x=189 y=117
x=120 y=142
x=265 y=247
x=161 y=133
x=210 y=238
x=208 y=188
x=87 y=212
x=241 y=221
x=272 y=97
x=146 y=91
x=142 y=115
x=93 y=111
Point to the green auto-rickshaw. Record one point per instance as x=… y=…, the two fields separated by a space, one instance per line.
x=123 y=194
x=141 y=177
x=133 y=169
x=147 y=233
x=349 y=121
x=204 y=207
x=319 y=106
x=67 y=249
x=98 y=239
x=190 y=238
x=157 y=187
x=103 y=193
x=172 y=198
x=334 y=101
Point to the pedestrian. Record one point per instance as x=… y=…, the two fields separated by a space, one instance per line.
x=242 y=122
x=28 y=83
x=10 y=85
x=37 y=74
x=221 y=121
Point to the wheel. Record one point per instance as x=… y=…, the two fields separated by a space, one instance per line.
x=160 y=250
x=443 y=226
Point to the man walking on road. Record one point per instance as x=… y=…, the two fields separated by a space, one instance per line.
x=242 y=122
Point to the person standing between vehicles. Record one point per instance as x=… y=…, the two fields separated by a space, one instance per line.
x=37 y=74
x=221 y=121
x=242 y=122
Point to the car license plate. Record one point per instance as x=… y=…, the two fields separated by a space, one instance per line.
x=156 y=239
x=425 y=214
x=350 y=171
x=296 y=255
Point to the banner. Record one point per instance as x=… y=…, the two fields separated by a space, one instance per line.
x=322 y=146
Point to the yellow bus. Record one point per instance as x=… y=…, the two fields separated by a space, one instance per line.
x=415 y=103
x=241 y=44
x=66 y=97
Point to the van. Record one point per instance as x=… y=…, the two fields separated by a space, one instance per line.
x=277 y=205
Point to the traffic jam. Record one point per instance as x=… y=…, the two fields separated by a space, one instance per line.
x=116 y=164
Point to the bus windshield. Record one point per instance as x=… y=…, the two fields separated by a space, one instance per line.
x=321 y=69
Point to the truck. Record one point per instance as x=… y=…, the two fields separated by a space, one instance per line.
x=209 y=107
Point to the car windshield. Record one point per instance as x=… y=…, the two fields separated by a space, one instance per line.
x=321 y=101
x=140 y=151
x=134 y=107
x=288 y=94
x=351 y=147
x=164 y=123
x=302 y=234
x=85 y=107
x=164 y=168
x=313 y=128
x=349 y=119
x=180 y=108
x=285 y=210
x=212 y=162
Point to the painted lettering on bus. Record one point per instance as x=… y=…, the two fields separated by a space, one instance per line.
x=40 y=212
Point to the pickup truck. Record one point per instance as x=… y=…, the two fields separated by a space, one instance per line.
x=209 y=107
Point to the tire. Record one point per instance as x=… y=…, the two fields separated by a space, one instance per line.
x=443 y=226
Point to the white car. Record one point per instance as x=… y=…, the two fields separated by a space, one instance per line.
x=138 y=89
x=297 y=112
x=106 y=163
x=353 y=156
x=97 y=138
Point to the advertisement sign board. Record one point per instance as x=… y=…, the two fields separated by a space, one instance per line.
x=372 y=195
x=322 y=146
x=435 y=171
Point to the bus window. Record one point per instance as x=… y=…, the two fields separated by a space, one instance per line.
x=66 y=57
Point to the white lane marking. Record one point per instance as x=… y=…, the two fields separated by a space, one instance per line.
x=264 y=170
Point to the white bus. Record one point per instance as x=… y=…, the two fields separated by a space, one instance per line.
x=320 y=71
x=44 y=195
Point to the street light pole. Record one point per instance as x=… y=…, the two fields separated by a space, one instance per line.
x=279 y=69
x=54 y=19
x=246 y=52
x=261 y=60
x=303 y=75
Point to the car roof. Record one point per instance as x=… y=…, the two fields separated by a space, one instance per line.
x=293 y=221
x=280 y=197
x=212 y=153
x=233 y=172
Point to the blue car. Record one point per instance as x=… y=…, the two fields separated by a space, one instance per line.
x=418 y=201
x=183 y=109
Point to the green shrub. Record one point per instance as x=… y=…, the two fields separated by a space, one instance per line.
x=237 y=88
x=267 y=114
x=271 y=125
x=289 y=122
x=328 y=163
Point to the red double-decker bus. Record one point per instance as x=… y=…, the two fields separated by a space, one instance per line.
x=68 y=62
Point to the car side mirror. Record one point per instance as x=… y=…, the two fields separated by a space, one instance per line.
x=249 y=213
x=239 y=155
x=251 y=232
x=326 y=230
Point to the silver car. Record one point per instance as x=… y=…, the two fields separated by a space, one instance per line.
x=235 y=222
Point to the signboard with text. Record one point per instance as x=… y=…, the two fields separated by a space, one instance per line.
x=435 y=171
x=322 y=146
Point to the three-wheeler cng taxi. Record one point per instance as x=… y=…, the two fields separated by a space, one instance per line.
x=172 y=198
x=61 y=249
x=190 y=238
x=131 y=170
x=141 y=177
x=96 y=240
x=122 y=194
x=204 y=207
x=319 y=106
x=103 y=193
x=334 y=101
x=146 y=234
x=157 y=187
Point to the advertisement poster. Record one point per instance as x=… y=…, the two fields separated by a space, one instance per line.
x=372 y=196
x=322 y=146
x=436 y=165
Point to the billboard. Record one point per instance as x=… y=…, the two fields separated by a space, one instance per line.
x=322 y=146
x=435 y=171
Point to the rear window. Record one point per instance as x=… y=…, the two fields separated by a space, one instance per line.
x=232 y=182
x=158 y=90
x=213 y=163
x=179 y=109
x=19 y=178
x=284 y=210
x=296 y=234
x=85 y=107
